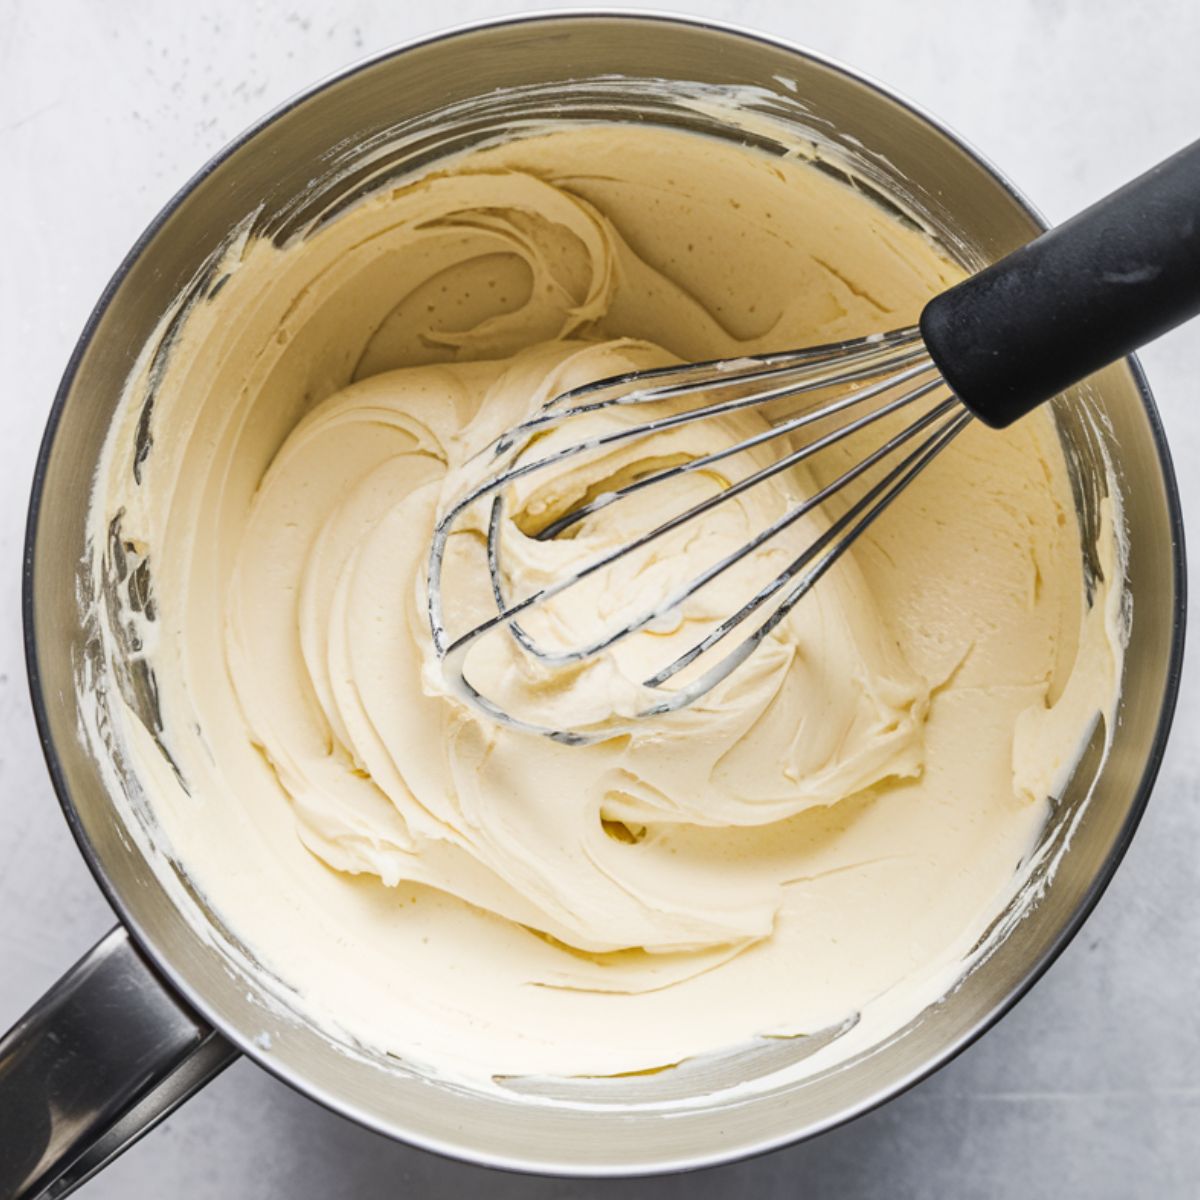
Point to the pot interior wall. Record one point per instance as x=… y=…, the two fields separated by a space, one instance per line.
x=347 y=133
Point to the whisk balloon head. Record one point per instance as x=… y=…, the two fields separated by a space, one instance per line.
x=775 y=413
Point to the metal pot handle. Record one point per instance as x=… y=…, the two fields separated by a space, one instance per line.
x=105 y=1054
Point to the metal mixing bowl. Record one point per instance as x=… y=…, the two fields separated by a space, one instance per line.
x=158 y=1006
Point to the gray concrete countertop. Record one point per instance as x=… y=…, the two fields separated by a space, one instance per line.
x=1092 y=1086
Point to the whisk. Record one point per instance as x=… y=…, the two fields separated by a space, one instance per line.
x=992 y=348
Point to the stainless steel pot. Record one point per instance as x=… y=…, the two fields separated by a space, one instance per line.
x=156 y=1008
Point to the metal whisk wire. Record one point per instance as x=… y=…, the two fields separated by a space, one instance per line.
x=882 y=364
x=996 y=346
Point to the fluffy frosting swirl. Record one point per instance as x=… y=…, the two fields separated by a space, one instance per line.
x=540 y=833
x=826 y=834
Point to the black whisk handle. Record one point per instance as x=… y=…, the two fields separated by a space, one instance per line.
x=1079 y=297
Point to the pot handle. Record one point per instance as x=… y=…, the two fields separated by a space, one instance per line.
x=104 y=1056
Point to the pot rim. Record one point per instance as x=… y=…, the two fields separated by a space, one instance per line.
x=346 y=1108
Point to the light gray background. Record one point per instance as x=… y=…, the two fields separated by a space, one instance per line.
x=1092 y=1086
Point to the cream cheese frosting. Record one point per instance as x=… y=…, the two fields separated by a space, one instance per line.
x=823 y=839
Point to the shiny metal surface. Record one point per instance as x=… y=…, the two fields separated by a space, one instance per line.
x=894 y=371
x=106 y=1054
x=977 y=215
